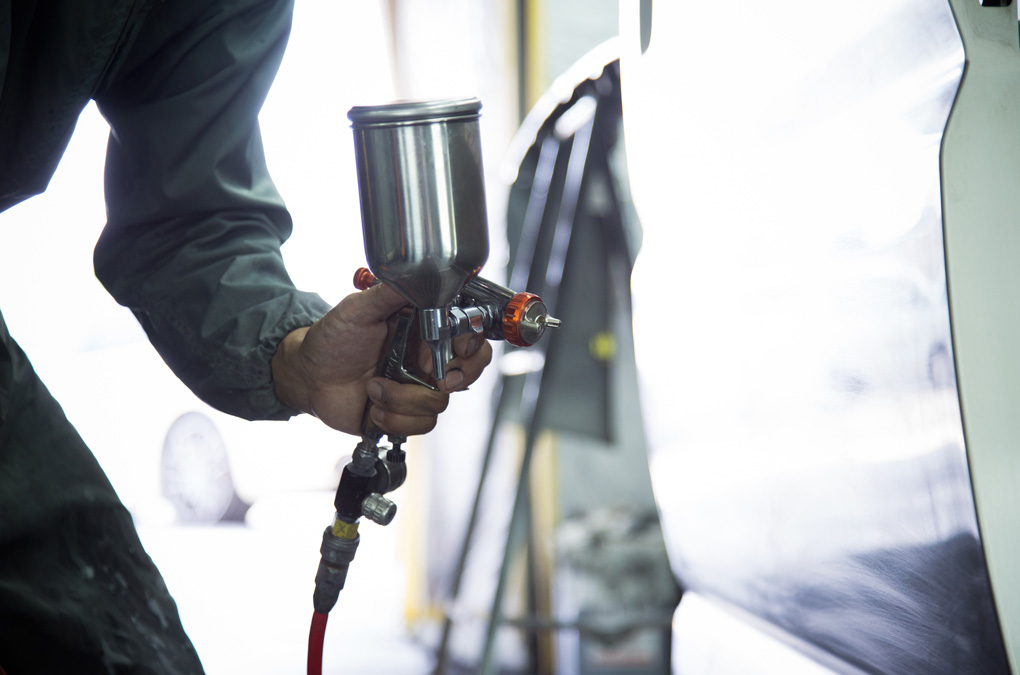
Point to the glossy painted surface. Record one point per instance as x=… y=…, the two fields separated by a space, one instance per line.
x=706 y=632
x=793 y=326
x=980 y=173
x=422 y=196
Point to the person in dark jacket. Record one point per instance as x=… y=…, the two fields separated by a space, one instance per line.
x=192 y=247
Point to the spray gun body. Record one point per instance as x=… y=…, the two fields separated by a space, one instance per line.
x=489 y=309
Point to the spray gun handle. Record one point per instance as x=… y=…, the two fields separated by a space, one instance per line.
x=397 y=364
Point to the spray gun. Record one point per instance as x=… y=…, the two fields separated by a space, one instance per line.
x=426 y=234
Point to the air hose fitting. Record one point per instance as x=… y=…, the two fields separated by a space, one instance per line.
x=339 y=544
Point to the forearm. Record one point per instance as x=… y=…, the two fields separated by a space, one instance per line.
x=216 y=307
x=195 y=225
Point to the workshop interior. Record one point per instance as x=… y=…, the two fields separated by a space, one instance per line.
x=750 y=272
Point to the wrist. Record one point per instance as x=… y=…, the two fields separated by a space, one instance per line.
x=289 y=374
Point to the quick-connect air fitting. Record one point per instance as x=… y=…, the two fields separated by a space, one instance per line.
x=339 y=544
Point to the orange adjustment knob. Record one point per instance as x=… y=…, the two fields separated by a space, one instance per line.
x=364 y=279
x=521 y=325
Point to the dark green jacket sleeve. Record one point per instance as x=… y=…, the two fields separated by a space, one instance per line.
x=194 y=223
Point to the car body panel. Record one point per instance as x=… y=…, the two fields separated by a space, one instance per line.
x=792 y=305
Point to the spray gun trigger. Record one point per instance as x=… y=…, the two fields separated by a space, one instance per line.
x=399 y=353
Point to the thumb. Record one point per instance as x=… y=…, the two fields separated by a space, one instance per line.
x=373 y=305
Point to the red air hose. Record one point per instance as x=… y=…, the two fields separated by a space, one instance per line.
x=316 y=636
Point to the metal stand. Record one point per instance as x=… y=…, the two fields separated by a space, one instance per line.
x=569 y=129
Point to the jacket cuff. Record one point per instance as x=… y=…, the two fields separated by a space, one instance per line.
x=307 y=308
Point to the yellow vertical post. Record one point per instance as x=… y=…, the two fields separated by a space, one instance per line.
x=545 y=515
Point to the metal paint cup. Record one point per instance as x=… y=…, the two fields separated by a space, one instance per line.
x=422 y=193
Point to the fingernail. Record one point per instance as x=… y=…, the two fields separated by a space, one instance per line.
x=473 y=346
x=374 y=390
x=454 y=379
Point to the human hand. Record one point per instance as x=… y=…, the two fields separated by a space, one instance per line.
x=329 y=369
